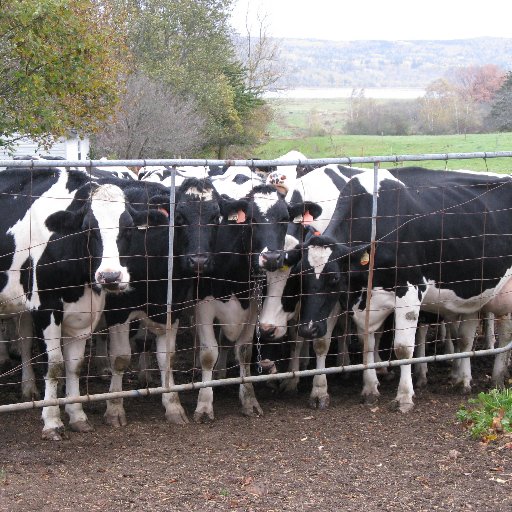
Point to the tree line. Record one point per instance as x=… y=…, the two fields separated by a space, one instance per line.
x=143 y=78
x=473 y=99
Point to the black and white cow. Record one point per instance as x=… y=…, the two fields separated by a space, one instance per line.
x=443 y=246
x=251 y=239
x=64 y=241
x=197 y=216
x=318 y=191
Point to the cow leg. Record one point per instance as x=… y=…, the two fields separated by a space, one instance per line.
x=499 y=370
x=143 y=341
x=379 y=312
x=420 y=369
x=165 y=353
x=221 y=366
x=209 y=352
x=466 y=337
x=120 y=357
x=53 y=426
x=243 y=352
x=343 y=356
x=319 y=397
x=289 y=386
x=407 y=310
x=4 y=353
x=74 y=350
x=490 y=338
x=29 y=389
x=383 y=373
x=101 y=359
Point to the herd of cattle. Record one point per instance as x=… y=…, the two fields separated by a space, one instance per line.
x=87 y=247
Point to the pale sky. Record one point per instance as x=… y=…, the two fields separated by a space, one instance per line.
x=347 y=20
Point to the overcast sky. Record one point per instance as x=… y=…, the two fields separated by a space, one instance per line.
x=377 y=19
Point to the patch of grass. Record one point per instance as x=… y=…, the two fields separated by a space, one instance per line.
x=488 y=415
x=332 y=146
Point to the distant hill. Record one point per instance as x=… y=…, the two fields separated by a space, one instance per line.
x=316 y=63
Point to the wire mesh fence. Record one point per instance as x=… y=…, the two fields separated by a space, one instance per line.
x=256 y=266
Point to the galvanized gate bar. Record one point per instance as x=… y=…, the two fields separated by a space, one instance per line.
x=136 y=393
x=254 y=163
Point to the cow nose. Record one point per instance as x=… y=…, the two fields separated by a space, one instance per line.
x=109 y=277
x=198 y=262
x=308 y=331
x=267 y=330
x=272 y=260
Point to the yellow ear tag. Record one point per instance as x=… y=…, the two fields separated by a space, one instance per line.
x=365 y=258
x=284 y=268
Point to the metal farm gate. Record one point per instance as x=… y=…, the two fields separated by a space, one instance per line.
x=377 y=161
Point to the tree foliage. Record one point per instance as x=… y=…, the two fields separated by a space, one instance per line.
x=187 y=45
x=151 y=122
x=60 y=63
x=501 y=107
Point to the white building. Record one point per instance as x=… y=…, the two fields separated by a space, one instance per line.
x=71 y=148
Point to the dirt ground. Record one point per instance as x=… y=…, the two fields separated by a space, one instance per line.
x=347 y=458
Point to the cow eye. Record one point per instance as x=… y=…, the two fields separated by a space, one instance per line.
x=334 y=279
x=178 y=219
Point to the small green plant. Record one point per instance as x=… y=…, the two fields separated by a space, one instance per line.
x=488 y=415
x=224 y=492
x=3 y=476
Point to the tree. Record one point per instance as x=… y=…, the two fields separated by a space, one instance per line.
x=151 y=122
x=60 y=63
x=439 y=109
x=501 y=107
x=187 y=45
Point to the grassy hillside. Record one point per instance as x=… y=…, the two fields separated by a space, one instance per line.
x=314 y=128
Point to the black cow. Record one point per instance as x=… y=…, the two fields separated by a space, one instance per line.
x=196 y=217
x=251 y=239
x=443 y=246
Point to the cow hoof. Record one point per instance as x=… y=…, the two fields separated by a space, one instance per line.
x=146 y=380
x=204 y=417
x=116 y=420
x=387 y=376
x=81 y=426
x=463 y=389
x=177 y=418
x=252 y=410
x=370 y=399
x=54 y=434
x=30 y=396
x=319 y=402
x=421 y=383
x=288 y=387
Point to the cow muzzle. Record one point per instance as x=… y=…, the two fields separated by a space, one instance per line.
x=271 y=260
x=111 y=281
x=198 y=263
x=311 y=330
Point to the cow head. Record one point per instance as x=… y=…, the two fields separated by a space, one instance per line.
x=279 y=305
x=197 y=216
x=263 y=215
x=321 y=275
x=98 y=218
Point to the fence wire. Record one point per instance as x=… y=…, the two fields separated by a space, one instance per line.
x=185 y=365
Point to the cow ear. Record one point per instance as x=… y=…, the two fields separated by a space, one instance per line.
x=234 y=210
x=153 y=217
x=293 y=256
x=354 y=258
x=64 y=222
x=304 y=212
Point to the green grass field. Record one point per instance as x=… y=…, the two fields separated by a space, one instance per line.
x=296 y=121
